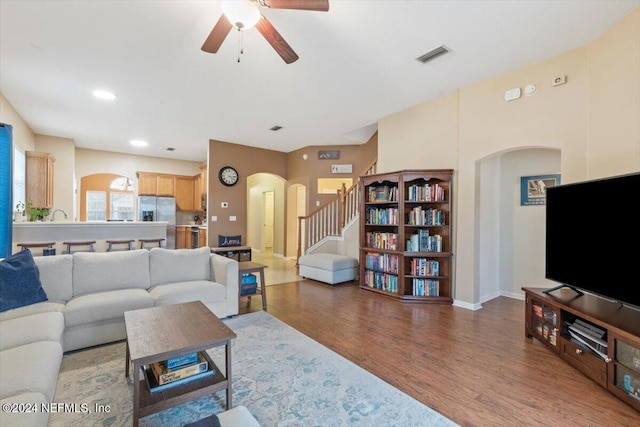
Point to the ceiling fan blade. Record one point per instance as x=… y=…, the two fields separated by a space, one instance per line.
x=318 y=5
x=217 y=35
x=276 y=41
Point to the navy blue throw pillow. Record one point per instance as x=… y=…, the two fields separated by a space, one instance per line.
x=20 y=281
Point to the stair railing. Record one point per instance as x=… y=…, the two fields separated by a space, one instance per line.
x=330 y=218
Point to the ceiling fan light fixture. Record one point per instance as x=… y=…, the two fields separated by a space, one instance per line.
x=242 y=14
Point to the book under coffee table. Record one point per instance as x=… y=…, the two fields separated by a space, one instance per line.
x=159 y=333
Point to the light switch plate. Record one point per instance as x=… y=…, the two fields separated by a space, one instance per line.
x=232 y=218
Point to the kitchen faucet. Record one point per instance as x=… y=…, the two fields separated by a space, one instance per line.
x=53 y=214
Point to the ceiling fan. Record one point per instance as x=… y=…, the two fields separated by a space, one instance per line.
x=245 y=14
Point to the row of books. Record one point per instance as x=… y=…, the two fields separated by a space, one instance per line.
x=423 y=242
x=378 y=280
x=426 y=193
x=426 y=288
x=383 y=193
x=425 y=267
x=420 y=216
x=160 y=376
x=378 y=240
x=382 y=262
x=386 y=216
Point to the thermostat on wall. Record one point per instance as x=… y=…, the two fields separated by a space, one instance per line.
x=512 y=94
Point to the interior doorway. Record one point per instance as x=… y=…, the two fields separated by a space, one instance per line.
x=267 y=232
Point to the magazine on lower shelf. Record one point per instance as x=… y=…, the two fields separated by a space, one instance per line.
x=154 y=387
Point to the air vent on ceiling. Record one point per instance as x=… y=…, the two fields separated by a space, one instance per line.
x=170 y=149
x=276 y=128
x=432 y=54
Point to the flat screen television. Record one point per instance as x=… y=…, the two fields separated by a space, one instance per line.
x=593 y=237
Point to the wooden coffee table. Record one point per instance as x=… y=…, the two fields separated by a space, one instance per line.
x=159 y=333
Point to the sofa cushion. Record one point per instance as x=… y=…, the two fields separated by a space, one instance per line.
x=109 y=271
x=29 y=329
x=198 y=290
x=30 y=368
x=28 y=310
x=55 y=275
x=91 y=308
x=25 y=419
x=179 y=265
x=20 y=281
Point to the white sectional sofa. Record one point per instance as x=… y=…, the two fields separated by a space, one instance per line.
x=87 y=295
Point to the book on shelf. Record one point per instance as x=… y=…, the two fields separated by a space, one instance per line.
x=180 y=361
x=154 y=387
x=162 y=375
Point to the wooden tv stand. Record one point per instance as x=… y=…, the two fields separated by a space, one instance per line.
x=617 y=368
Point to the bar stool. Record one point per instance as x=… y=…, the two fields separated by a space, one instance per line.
x=143 y=242
x=44 y=245
x=69 y=245
x=128 y=242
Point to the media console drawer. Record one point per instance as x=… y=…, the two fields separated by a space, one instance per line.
x=589 y=364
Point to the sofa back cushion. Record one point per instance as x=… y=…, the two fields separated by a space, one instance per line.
x=179 y=265
x=55 y=275
x=110 y=271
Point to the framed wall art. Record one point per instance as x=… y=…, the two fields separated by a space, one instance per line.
x=533 y=188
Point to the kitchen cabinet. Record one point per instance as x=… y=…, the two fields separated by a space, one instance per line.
x=147 y=184
x=202 y=238
x=184 y=188
x=166 y=186
x=39 y=178
x=181 y=237
x=156 y=184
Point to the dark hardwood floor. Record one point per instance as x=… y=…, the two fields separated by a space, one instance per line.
x=475 y=367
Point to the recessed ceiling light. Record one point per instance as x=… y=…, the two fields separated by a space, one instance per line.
x=104 y=94
x=138 y=143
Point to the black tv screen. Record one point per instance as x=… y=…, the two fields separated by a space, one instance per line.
x=593 y=236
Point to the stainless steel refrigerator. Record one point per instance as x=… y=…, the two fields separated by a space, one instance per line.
x=152 y=208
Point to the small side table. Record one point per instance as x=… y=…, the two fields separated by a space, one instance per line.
x=246 y=267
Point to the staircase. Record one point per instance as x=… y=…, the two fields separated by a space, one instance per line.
x=331 y=218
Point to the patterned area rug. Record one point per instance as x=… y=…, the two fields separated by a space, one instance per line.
x=282 y=376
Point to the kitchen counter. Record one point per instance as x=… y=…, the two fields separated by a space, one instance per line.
x=100 y=231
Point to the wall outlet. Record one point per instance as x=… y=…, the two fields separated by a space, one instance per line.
x=224 y=205
x=232 y=218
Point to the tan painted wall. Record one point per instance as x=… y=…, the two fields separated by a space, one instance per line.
x=23 y=137
x=247 y=161
x=613 y=101
x=463 y=128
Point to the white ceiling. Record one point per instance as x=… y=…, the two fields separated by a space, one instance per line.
x=357 y=64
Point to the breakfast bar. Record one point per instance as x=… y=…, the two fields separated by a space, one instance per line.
x=98 y=231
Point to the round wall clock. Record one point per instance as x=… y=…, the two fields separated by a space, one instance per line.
x=228 y=176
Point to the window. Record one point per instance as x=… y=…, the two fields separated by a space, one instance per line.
x=121 y=207
x=96 y=205
x=19 y=192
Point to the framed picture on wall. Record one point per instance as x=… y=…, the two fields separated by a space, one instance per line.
x=533 y=188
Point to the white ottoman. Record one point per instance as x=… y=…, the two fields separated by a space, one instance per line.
x=328 y=268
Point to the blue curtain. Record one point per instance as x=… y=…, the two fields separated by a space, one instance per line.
x=6 y=189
